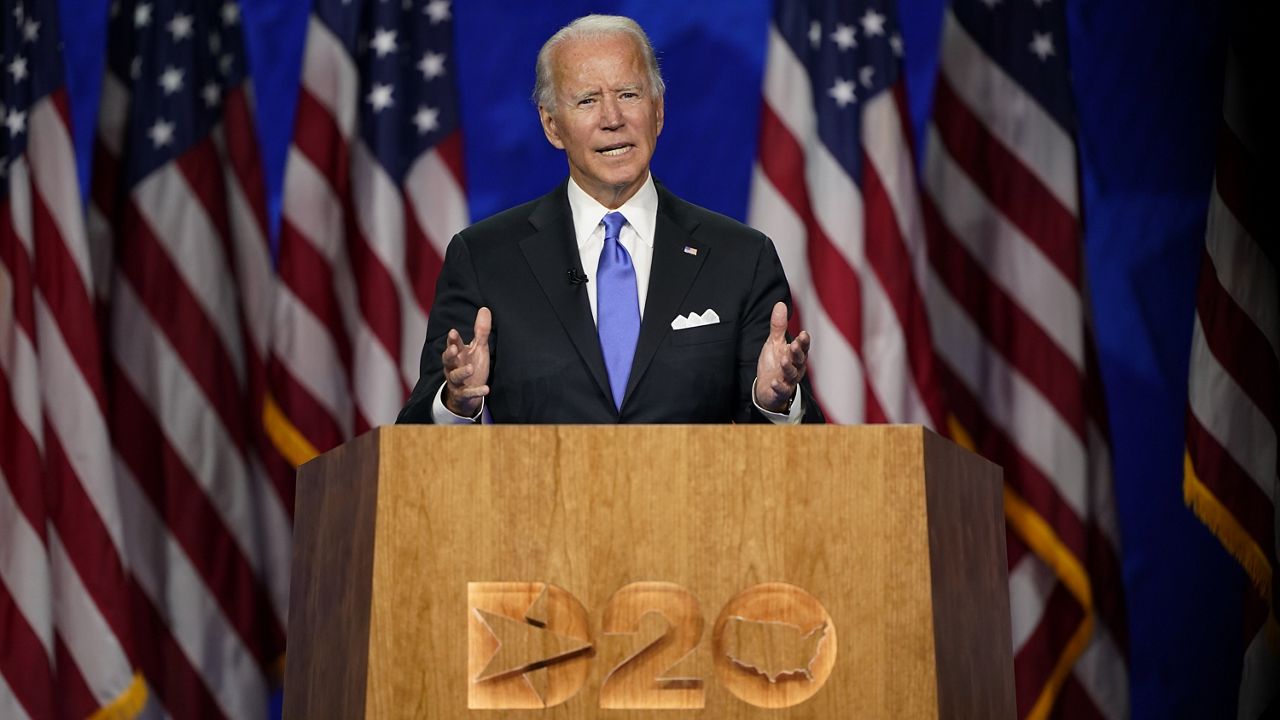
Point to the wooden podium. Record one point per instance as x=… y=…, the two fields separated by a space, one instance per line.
x=668 y=571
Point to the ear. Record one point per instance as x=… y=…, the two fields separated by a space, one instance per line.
x=549 y=127
x=661 y=114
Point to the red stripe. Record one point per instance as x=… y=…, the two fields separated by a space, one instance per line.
x=243 y=153
x=1010 y=185
x=1232 y=486
x=307 y=415
x=1019 y=339
x=1106 y=579
x=1035 y=660
x=450 y=151
x=14 y=256
x=421 y=259
x=23 y=661
x=84 y=535
x=20 y=458
x=375 y=291
x=201 y=168
x=64 y=291
x=175 y=310
x=1238 y=344
x=1074 y=702
x=309 y=277
x=888 y=258
x=1019 y=473
x=75 y=699
x=194 y=522
x=169 y=672
x=836 y=284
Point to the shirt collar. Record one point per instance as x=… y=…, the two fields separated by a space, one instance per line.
x=641 y=211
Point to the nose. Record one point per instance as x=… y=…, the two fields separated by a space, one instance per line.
x=610 y=114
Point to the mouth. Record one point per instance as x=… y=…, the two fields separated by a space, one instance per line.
x=616 y=150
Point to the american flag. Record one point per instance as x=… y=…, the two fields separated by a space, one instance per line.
x=835 y=187
x=178 y=217
x=373 y=193
x=1232 y=476
x=64 y=587
x=1009 y=309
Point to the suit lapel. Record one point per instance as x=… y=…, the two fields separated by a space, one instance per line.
x=550 y=252
x=670 y=278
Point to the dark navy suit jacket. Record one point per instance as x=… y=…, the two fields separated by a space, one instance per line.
x=545 y=360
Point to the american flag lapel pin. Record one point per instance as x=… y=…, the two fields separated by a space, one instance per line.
x=690 y=250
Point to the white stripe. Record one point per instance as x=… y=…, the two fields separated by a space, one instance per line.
x=376 y=384
x=20 y=205
x=9 y=705
x=1102 y=511
x=886 y=150
x=76 y=418
x=53 y=170
x=277 y=545
x=787 y=89
x=1010 y=114
x=307 y=350
x=835 y=369
x=438 y=202
x=190 y=239
x=101 y=251
x=187 y=607
x=1011 y=402
x=1259 y=677
x=1030 y=583
x=330 y=76
x=113 y=114
x=380 y=212
x=91 y=642
x=192 y=427
x=1010 y=259
x=1244 y=270
x=252 y=258
x=1230 y=416
x=24 y=568
x=19 y=362
x=1102 y=672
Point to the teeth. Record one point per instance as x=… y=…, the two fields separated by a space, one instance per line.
x=616 y=151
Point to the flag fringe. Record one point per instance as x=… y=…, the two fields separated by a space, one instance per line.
x=289 y=441
x=1222 y=523
x=127 y=705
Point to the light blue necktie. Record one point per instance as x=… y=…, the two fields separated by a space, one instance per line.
x=617 y=307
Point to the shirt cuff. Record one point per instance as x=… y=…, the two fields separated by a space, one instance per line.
x=791 y=417
x=442 y=415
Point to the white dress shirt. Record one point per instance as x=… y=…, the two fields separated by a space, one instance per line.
x=641 y=212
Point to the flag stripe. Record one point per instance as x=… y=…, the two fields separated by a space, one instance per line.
x=1241 y=348
x=1231 y=485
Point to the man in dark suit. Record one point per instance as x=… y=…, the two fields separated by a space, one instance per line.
x=609 y=299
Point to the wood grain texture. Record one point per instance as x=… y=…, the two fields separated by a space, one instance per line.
x=841 y=512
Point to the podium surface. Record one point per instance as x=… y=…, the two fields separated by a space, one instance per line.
x=628 y=571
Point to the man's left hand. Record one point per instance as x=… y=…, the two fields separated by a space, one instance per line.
x=782 y=364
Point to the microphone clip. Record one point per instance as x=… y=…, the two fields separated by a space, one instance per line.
x=576 y=276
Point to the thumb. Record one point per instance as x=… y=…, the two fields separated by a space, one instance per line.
x=484 y=323
x=778 y=323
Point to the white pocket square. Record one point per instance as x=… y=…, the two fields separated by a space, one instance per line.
x=708 y=317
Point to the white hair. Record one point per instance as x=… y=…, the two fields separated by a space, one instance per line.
x=593 y=26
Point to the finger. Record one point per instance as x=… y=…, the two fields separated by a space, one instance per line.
x=472 y=392
x=459 y=375
x=484 y=323
x=778 y=323
x=804 y=339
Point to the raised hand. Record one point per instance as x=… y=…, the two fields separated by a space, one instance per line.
x=781 y=366
x=466 y=367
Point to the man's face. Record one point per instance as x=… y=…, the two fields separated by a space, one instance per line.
x=606 y=118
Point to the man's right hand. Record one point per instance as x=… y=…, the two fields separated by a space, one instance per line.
x=466 y=368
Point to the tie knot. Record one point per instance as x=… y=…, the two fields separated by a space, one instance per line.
x=613 y=223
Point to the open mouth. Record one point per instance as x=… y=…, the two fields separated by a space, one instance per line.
x=615 y=150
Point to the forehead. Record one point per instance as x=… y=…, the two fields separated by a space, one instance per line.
x=604 y=61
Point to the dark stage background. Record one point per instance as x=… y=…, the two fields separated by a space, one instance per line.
x=1148 y=79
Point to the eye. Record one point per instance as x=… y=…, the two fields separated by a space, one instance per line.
x=586 y=101
x=630 y=95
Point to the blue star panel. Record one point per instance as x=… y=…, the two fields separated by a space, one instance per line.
x=404 y=52
x=30 y=68
x=853 y=52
